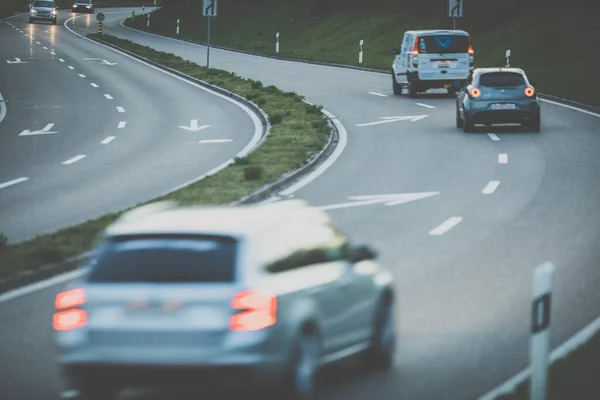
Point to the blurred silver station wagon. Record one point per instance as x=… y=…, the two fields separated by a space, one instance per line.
x=260 y=295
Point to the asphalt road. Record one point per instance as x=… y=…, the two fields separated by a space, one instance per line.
x=115 y=123
x=465 y=291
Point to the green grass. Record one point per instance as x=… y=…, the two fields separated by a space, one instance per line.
x=573 y=378
x=298 y=131
x=563 y=64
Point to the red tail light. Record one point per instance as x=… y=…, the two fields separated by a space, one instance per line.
x=471 y=54
x=529 y=92
x=259 y=311
x=415 y=52
x=475 y=93
x=69 y=317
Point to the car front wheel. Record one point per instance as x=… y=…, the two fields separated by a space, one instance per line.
x=382 y=349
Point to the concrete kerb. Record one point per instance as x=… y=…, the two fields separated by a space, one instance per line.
x=543 y=96
x=265 y=192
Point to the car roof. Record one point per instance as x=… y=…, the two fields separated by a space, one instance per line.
x=498 y=69
x=426 y=32
x=232 y=221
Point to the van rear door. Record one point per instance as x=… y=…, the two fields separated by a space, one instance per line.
x=444 y=57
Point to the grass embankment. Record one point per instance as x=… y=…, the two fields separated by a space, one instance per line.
x=574 y=378
x=540 y=36
x=298 y=131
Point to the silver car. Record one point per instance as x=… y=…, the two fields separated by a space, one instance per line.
x=43 y=10
x=261 y=295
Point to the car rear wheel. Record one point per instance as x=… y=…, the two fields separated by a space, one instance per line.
x=382 y=349
x=459 y=121
x=535 y=125
x=468 y=125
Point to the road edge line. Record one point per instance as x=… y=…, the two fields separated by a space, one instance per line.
x=3 y=108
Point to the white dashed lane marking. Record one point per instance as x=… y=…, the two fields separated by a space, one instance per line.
x=13 y=182
x=82 y=75
x=424 y=105
x=93 y=85
x=490 y=187
x=122 y=124
x=120 y=109
x=74 y=159
x=502 y=158
x=108 y=96
x=108 y=140
x=445 y=226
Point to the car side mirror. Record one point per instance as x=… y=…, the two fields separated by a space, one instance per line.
x=361 y=253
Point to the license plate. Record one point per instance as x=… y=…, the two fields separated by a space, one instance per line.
x=503 y=107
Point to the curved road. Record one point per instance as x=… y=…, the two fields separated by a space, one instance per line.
x=464 y=288
x=116 y=139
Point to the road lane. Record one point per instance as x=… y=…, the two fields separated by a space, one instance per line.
x=464 y=295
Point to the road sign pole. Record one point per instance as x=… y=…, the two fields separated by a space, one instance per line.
x=133 y=16
x=178 y=26
x=360 y=51
x=277 y=43
x=454 y=23
x=208 y=44
x=540 y=330
x=508 y=58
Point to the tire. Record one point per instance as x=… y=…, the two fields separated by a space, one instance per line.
x=452 y=92
x=381 y=352
x=535 y=125
x=468 y=126
x=300 y=381
x=396 y=86
x=459 y=121
x=412 y=91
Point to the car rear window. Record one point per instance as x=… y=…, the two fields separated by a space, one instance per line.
x=501 y=79
x=180 y=259
x=443 y=44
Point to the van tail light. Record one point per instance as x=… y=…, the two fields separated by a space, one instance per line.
x=475 y=93
x=68 y=316
x=415 y=53
x=529 y=92
x=258 y=311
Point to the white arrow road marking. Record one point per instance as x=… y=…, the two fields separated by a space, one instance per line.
x=386 y=120
x=387 y=199
x=445 y=226
x=17 y=61
x=194 y=126
x=215 y=141
x=13 y=182
x=45 y=131
x=74 y=159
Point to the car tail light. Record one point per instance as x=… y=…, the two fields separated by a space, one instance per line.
x=471 y=54
x=415 y=53
x=69 y=317
x=259 y=311
x=529 y=92
x=475 y=93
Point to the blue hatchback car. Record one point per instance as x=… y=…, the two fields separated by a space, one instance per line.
x=498 y=96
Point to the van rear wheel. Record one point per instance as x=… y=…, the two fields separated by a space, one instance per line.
x=396 y=86
x=412 y=90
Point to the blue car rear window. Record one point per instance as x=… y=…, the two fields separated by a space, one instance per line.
x=501 y=79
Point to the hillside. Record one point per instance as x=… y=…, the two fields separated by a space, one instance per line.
x=551 y=44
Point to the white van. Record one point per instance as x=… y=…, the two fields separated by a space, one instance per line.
x=432 y=59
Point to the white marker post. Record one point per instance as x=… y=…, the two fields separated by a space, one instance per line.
x=148 y=21
x=177 y=26
x=360 y=51
x=543 y=280
x=277 y=43
x=508 y=58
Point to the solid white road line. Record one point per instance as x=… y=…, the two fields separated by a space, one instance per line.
x=34 y=287
x=61 y=60
x=93 y=85
x=494 y=137
x=378 y=94
x=490 y=187
x=445 y=226
x=122 y=124
x=13 y=182
x=82 y=75
x=215 y=141
x=120 y=109
x=108 y=96
x=108 y=140
x=74 y=159
x=424 y=105
x=502 y=158
x=71 y=67
x=2 y=108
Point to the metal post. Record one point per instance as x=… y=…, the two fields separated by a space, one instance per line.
x=208 y=45
x=277 y=43
x=540 y=330
x=178 y=26
x=454 y=23
x=133 y=16
x=360 y=51
x=508 y=58
x=148 y=21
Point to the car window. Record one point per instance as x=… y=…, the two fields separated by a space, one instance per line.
x=171 y=259
x=443 y=44
x=44 y=4
x=501 y=79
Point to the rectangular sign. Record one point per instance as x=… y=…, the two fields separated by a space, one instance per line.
x=209 y=8
x=455 y=9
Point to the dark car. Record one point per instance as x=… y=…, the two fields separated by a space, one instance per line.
x=498 y=96
x=84 y=6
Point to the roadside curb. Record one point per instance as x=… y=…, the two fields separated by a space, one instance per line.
x=269 y=190
x=543 y=96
